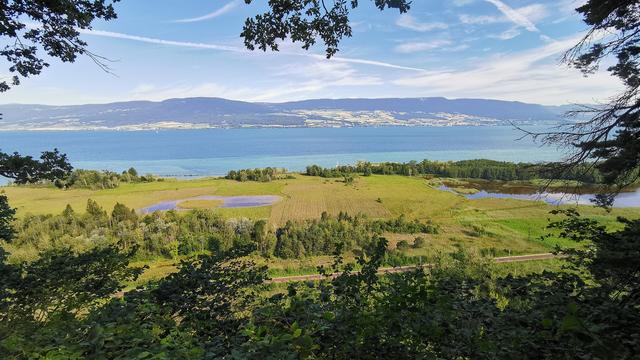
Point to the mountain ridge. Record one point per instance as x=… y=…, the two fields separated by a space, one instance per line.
x=212 y=112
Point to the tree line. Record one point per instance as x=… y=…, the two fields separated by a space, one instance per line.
x=98 y=180
x=54 y=168
x=326 y=235
x=262 y=175
x=469 y=169
x=159 y=234
x=172 y=233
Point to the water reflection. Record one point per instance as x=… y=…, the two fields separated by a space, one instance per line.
x=625 y=199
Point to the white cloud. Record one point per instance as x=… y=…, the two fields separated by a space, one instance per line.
x=292 y=81
x=520 y=18
x=507 y=34
x=567 y=9
x=328 y=72
x=412 y=47
x=221 y=11
x=533 y=75
x=197 y=45
x=480 y=19
x=533 y=13
x=460 y=47
x=409 y=22
x=363 y=62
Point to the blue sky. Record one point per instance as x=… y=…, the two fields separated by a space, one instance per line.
x=497 y=49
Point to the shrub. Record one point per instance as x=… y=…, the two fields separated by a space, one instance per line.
x=402 y=245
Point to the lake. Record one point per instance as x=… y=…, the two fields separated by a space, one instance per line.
x=624 y=199
x=216 y=151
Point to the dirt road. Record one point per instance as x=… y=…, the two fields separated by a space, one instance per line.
x=389 y=270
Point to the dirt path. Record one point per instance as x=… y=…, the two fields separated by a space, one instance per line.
x=399 y=269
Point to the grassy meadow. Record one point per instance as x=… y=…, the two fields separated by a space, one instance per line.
x=488 y=227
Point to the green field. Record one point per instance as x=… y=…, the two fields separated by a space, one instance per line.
x=489 y=227
x=199 y=204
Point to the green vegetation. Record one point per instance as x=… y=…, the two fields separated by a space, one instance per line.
x=327 y=235
x=161 y=234
x=469 y=169
x=263 y=175
x=220 y=306
x=409 y=209
x=95 y=180
x=65 y=303
x=171 y=234
x=43 y=200
x=52 y=166
x=199 y=204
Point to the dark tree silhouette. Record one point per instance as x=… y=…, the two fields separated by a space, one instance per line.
x=7 y=214
x=52 y=166
x=305 y=21
x=610 y=139
x=34 y=28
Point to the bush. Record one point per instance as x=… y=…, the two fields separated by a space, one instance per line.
x=96 y=180
x=260 y=175
x=419 y=242
x=402 y=245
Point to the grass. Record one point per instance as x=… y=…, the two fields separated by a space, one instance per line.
x=50 y=200
x=498 y=227
x=527 y=267
x=199 y=204
x=156 y=270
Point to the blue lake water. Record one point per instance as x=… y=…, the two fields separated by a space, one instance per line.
x=227 y=202
x=216 y=151
x=624 y=199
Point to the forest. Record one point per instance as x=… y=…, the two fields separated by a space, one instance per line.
x=468 y=169
x=173 y=233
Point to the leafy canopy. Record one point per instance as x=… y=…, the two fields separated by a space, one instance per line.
x=52 y=166
x=611 y=138
x=53 y=27
x=305 y=21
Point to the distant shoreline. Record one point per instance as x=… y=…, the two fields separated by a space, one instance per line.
x=145 y=127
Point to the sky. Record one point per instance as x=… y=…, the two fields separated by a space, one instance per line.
x=493 y=49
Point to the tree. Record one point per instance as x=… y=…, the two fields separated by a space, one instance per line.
x=212 y=295
x=610 y=139
x=132 y=172
x=52 y=166
x=96 y=214
x=30 y=27
x=305 y=21
x=41 y=302
x=7 y=214
x=122 y=213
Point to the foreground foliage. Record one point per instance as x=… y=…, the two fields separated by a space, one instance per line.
x=56 y=34
x=213 y=307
